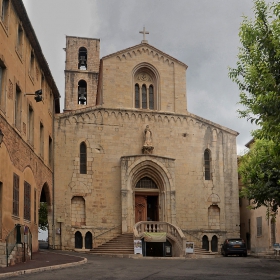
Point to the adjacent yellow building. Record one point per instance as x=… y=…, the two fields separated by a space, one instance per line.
x=26 y=152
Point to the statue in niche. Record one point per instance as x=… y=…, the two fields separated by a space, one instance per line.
x=148 y=146
x=148 y=136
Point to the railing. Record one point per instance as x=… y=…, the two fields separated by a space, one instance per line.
x=172 y=231
x=19 y=235
x=107 y=235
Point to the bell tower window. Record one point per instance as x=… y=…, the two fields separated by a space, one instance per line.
x=82 y=92
x=82 y=64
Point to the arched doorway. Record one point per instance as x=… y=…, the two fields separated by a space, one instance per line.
x=88 y=240
x=44 y=215
x=214 y=244
x=78 y=240
x=205 y=243
x=146 y=200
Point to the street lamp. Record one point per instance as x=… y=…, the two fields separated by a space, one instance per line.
x=38 y=95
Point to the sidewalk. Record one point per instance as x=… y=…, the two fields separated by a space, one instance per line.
x=42 y=260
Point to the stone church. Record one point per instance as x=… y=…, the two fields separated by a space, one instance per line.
x=130 y=158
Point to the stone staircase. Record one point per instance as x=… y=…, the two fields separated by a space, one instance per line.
x=122 y=244
x=202 y=253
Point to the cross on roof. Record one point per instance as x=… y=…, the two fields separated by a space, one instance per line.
x=144 y=32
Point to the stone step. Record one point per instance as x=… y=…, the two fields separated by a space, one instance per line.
x=122 y=244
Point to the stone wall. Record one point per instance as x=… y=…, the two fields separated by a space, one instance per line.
x=113 y=134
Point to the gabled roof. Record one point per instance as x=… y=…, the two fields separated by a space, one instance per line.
x=145 y=46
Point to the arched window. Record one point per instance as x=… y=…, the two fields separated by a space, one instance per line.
x=145 y=89
x=207 y=173
x=82 y=64
x=151 y=97
x=146 y=183
x=82 y=92
x=83 y=158
x=137 y=97
x=144 y=97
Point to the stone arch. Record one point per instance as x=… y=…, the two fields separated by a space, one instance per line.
x=154 y=168
x=205 y=243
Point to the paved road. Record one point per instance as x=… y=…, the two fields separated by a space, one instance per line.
x=123 y=268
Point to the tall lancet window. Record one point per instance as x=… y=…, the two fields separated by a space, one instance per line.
x=82 y=92
x=83 y=158
x=137 y=97
x=151 y=97
x=207 y=171
x=144 y=97
x=82 y=63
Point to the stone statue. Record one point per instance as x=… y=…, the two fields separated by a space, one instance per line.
x=148 y=145
x=148 y=137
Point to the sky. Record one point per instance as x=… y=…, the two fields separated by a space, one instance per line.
x=201 y=33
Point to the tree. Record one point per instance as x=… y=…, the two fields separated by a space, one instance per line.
x=258 y=69
x=43 y=216
x=258 y=77
x=260 y=174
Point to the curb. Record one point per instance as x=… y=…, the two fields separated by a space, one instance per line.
x=45 y=268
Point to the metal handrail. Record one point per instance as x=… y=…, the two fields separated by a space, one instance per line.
x=97 y=237
x=20 y=234
x=11 y=241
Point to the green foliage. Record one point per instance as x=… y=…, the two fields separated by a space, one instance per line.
x=260 y=174
x=258 y=69
x=43 y=216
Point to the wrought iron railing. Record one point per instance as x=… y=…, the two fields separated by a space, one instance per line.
x=20 y=234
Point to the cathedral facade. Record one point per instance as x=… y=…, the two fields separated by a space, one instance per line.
x=129 y=156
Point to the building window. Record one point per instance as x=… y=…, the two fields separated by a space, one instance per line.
x=146 y=183
x=144 y=97
x=35 y=206
x=82 y=92
x=259 y=226
x=19 y=40
x=5 y=12
x=83 y=158
x=144 y=90
x=207 y=167
x=50 y=151
x=137 y=97
x=151 y=97
x=2 y=84
x=32 y=65
x=16 y=195
x=31 y=125
x=82 y=64
x=18 y=107
x=27 y=201
x=41 y=140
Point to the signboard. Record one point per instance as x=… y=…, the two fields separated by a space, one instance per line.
x=189 y=247
x=138 y=246
x=155 y=236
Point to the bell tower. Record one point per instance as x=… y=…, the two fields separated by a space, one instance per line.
x=81 y=72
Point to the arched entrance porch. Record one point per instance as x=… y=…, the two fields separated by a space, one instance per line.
x=156 y=174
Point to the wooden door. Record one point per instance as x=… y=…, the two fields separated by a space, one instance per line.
x=140 y=208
